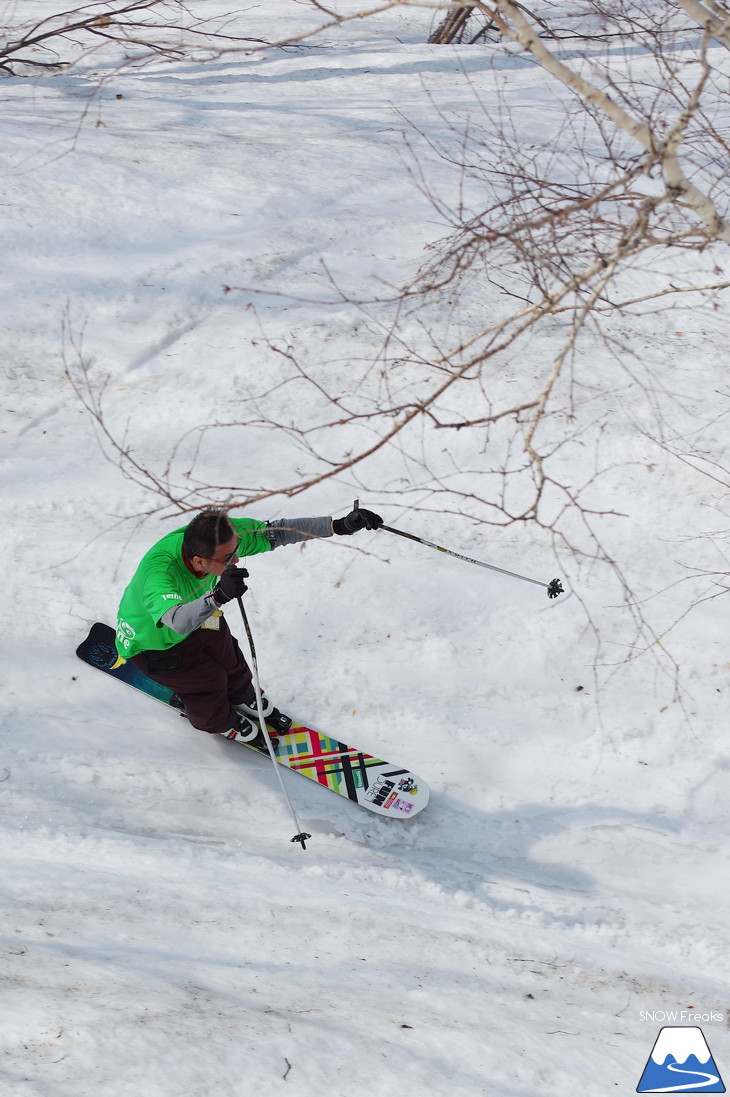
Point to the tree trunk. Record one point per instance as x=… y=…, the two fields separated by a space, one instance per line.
x=452 y=27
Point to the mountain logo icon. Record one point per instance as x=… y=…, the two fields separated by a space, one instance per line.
x=680 y=1062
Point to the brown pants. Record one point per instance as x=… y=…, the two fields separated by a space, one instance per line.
x=210 y=677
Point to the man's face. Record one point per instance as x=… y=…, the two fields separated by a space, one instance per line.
x=224 y=555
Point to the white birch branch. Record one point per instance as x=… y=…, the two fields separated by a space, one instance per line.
x=513 y=23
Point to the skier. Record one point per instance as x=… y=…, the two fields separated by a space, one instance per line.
x=170 y=623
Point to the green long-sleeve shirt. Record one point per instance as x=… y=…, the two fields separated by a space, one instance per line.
x=163 y=582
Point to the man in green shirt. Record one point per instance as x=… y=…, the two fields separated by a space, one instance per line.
x=170 y=622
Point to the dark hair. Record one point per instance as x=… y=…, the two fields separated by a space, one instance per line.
x=206 y=532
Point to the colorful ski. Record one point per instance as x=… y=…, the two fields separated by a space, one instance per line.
x=374 y=784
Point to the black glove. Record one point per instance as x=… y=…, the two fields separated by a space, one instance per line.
x=232 y=584
x=357 y=519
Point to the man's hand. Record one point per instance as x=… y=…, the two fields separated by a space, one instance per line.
x=356 y=520
x=232 y=584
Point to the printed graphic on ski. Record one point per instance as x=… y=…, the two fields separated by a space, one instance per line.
x=377 y=785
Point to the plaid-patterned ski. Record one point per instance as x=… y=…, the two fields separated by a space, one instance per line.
x=374 y=784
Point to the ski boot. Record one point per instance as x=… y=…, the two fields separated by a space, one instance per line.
x=279 y=722
x=245 y=731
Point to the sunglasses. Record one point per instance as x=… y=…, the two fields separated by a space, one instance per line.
x=226 y=560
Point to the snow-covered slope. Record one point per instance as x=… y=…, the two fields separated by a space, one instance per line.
x=160 y=934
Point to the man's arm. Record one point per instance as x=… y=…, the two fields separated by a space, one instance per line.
x=185 y=617
x=288 y=531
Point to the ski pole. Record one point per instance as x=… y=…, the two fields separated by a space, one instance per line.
x=554 y=587
x=301 y=836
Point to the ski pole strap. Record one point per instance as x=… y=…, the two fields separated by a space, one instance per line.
x=554 y=587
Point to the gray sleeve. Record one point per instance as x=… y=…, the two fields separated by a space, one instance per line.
x=287 y=531
x=187 y=616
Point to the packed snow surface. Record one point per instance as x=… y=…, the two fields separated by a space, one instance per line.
x=179 y=227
